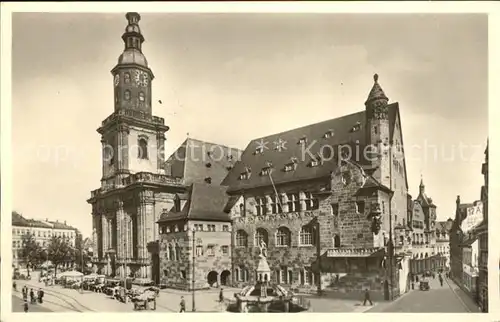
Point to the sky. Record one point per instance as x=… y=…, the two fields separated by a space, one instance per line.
x=231 y=78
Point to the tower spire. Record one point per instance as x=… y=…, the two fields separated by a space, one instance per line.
x=422 y=186
x=376 y=95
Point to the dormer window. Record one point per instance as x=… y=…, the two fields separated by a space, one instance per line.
x=245 y=175
x=356 y=127
x=302 y=140
x=290 y=167
x=265 y=171
x=229 y=167
x=328 y=134
x=316 y=160
x=208 y=180
x=208 y=165
x=259 y=150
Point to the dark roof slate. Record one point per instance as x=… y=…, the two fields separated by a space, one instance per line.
x=347 y=130
x=206 y=202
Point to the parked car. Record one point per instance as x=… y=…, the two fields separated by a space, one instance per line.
x=424 y=285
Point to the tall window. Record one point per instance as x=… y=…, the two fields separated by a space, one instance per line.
x=261 y=236
x=126 y=78
x=293 y=202
x=171 y=254
x=177 y=252
x=306 y=236
x=336 y=241
x=199 y=250
x=126 y=95
x=311 y=202
x=141 y=96
x=261 y=206
x=283 y=237
x=143 y=149
x=241 y=238
x=276 y=205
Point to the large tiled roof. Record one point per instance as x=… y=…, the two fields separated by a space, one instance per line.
x=19 y=221
x=345 y=130
x=196 y=161
x=206 y=202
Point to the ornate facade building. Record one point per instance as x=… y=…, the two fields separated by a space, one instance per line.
x=426 y=255
x=325 y=199
x=195 y=245
x=137 y=184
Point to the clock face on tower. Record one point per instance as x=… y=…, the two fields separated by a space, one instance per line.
x=141 y=78
x=117 y=79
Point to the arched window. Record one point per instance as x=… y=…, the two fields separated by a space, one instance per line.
x=141 y=96
x=241 y=238
x=171 y=254
x=242 y=210
x=401 y=240
x=306 y=236
x=126 y=95
x=261 y=236
x=127 y=78
x=336 y=241
x=177 y=252
x=142 y=152
x=283 y=237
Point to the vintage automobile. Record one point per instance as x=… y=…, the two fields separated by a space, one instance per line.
x=424 y=285
x=142 y=301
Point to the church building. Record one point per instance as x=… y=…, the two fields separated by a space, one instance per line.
x=137 y=185
x=324 y=200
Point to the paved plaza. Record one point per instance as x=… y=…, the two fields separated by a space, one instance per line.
x=446 y=298
x=439 y=299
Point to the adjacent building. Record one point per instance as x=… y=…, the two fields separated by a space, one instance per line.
x=42 y=231
x=137 y=185
x=324 y=211
x=195 y=239
x=482 y=232
x=464 y=246
x=443 y=229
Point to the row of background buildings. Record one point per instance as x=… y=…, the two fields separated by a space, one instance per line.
x=41 y=231
x=329 y=222
x=469 y=244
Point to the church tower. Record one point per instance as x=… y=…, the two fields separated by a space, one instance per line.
x=133 y=139
x=377 y=122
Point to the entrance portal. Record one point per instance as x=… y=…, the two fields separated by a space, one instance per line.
x=212 y=278
x=224 y=277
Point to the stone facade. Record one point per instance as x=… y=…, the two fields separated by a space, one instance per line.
x=483 y=241
x=212 y=254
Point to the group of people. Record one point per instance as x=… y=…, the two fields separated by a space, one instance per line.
x=416 y=278
x=34 y=298
x=182 y=304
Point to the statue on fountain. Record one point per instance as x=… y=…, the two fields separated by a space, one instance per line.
x=263 y=249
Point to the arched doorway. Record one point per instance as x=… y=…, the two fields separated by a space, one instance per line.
x=225 y=277
x=212 y=278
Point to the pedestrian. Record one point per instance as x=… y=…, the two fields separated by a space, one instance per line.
x=26 y=308
x=14 y=285
x=41 y=293
x=221 y=295
x=367 y=298
x=412 y=285
x=32 y=296
x=416 y=278
x=183 y=305
x=25 y=293
x=441 y=280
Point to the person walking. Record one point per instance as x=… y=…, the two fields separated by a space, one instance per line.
x=32 y=296
x=367 y=297
x=221 y=295
x=25 y=293
x=26 y=307
x=412 y=285
x=14 y=285
x=183 y=305
x=441 y=280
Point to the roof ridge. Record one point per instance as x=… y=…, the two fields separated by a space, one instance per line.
x=212 y=143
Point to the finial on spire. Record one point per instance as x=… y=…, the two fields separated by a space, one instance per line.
x=377 y=95
x=375 y=78
x=133 y=17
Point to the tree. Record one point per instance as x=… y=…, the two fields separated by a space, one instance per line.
x=60 y=251
x=31 y=251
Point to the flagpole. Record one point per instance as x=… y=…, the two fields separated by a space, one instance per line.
x=275 y=190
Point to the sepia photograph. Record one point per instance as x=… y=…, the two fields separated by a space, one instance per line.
x=248 y=162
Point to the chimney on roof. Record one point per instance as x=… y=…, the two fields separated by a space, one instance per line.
x=65 y=222
x=47 y=219
x=57 y=220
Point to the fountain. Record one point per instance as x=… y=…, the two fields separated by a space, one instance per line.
x=265 y=296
